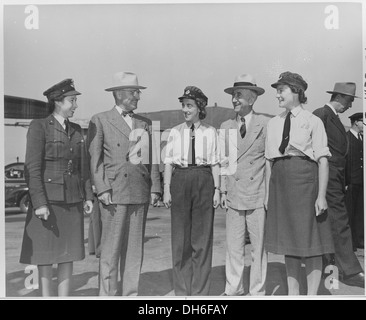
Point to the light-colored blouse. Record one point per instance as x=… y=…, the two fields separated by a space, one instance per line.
x=206 y=145
x=307 y=136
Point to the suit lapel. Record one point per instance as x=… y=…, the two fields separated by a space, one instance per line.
x=235 y=139
x=116 y=120
x=252 y=133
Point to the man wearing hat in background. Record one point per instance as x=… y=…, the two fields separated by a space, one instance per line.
x=341 y=100
x=243 y=187
x=354 y=180
x=123 y=183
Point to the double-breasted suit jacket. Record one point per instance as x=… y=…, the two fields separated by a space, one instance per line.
x=56 y=167
x=121 y=158
x=244 y=181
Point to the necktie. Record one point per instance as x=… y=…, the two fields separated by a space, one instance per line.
x=192 y=147
x=285 y=134
x=360 y=136
x=66 y=124
x=243 y=128
x=127 y=113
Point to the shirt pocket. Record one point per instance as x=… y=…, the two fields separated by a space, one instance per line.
x=301 y=136
x=54 y=187
x=54 y=147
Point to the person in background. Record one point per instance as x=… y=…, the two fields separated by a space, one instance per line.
x=192 y=190
x=354 y=180
x=243 y=188
x=297 y=152
x=125 y=178
x=57 y=174
x=341 y=100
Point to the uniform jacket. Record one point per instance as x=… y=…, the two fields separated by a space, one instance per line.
x=115 y=150
x=354 y=167
x=245 y=184
x=56 y=166
x=337 y=137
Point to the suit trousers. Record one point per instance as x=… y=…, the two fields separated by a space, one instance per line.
x=355 y=208
x=237 y=222
x=122 y=244
x=192 y=214
x=345 y=257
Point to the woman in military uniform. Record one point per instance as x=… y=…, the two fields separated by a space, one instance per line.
x=57 y=174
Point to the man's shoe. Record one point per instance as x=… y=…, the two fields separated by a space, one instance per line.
x=223 y=295
x=357 y=280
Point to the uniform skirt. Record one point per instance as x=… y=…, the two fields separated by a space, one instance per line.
x=60 y=239
x=292 y=228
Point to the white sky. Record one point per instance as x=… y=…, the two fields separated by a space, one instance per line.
x=171 y=46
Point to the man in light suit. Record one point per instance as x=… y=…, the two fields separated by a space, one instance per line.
x=124 y=175
x=242 y=143
x=341 y=100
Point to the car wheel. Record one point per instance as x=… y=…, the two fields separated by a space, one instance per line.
x=24 y=203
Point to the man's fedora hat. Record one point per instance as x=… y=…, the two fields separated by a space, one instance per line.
x=245 y=81
x=345 y=88
x=125 y=80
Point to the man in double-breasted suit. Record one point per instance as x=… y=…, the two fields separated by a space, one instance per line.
x=242 y=143
x=124 y=175
x=354 y=180
x=341 y=100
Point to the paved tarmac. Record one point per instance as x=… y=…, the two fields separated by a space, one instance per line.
x=156 y=277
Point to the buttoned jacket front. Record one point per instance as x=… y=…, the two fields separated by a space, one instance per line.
x=115 y=152
x=243 y=163
x=56 y=166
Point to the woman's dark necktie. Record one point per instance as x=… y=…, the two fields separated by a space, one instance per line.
x=66 y=123
x=192 y=147
x=285 y=134
x=243 y=128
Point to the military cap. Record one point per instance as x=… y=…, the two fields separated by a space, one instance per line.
x=196 y=94
x=61 y=89
x=291 y=79
x=357 y=116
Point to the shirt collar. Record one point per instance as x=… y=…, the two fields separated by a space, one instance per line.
x=59 y=118
x=196 y=125
x=296 y=111
x=247 y=118
x=354 y=133
x=120 y=110
x=334 y=110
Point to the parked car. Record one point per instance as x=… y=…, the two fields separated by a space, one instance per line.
x=16 y=190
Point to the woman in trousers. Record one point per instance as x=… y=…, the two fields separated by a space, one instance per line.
x=297 y=153
x=57 y=174
x=191 y=188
